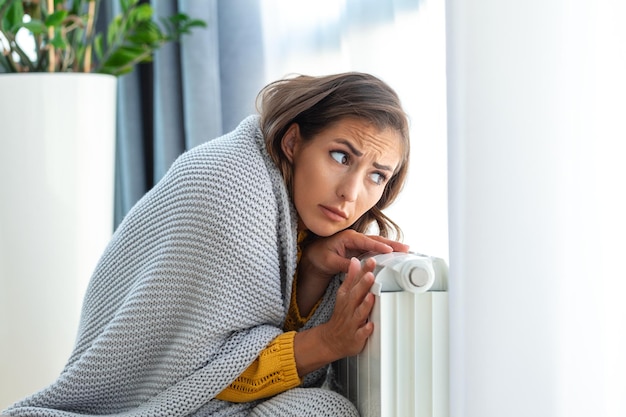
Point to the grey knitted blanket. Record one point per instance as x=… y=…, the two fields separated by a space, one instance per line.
x=193 y=285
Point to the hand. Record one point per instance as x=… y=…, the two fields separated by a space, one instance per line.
x=348 y=328
x=346 y=333
x=326 y=257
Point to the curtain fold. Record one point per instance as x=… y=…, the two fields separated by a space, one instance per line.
x=167 y=107
x=192 y=92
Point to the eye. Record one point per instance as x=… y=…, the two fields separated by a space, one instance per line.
x=340 y=157
x=378 y=177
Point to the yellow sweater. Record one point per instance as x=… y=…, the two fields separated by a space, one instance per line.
x=274 y=371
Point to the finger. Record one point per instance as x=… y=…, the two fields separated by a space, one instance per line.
x=359 y=243
x=357 y=283
x=364 y=332
x=334 y=262
x=369 y=265
x=364 y=309
x=374 y=243
x=355 y=270
x=363 y=286
x=354 y=265
x=394 y=244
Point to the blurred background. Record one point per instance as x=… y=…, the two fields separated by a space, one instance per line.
x=517 y=174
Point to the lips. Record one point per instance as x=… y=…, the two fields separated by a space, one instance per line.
x=333 y=213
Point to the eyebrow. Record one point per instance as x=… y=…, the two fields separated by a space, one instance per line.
x=359 y=153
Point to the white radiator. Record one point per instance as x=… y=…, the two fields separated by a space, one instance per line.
x=403 y=370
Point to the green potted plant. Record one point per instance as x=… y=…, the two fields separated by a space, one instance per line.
x=58 y=79
x=64 y=38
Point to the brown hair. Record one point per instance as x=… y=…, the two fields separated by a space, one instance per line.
x=316 y=102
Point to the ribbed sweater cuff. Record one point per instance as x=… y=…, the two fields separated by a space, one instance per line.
x=288 y=359
x=273 y=372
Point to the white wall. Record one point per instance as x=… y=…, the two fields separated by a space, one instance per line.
x=537 y=142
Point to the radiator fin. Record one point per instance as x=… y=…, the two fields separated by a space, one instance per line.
x=403 y=370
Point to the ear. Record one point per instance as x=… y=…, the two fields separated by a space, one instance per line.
x=290 y=141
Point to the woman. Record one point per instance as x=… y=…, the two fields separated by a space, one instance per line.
x=218 y=294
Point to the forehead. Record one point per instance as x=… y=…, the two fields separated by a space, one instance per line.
x=384 y=144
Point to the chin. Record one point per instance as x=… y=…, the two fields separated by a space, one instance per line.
x=326 y=230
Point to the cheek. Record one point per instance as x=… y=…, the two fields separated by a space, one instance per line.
x=306 y=185
x=368 y=201
x=312 y=178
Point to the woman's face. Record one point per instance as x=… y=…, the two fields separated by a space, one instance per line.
x=340 y=173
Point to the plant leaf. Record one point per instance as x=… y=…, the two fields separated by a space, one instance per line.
x=58 y=42
x=13 y=16
x=196 y=23
x=127 y=4
x=124 y=55
x=37 y=27
x=144 y=38
x=150 y=31
x=56 y=18
x=141 y=13
x=112 y=30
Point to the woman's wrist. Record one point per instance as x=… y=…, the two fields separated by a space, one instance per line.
x=312 y=351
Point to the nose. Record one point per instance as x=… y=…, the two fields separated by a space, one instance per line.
x=348 y=188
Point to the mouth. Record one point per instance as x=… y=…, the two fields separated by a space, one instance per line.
x=333 y=213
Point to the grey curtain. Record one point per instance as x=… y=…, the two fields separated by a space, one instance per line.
x=192 y=92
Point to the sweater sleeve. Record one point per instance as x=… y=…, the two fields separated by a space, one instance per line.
x=273 y=372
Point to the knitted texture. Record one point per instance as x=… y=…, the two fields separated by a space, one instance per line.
x=194 y=284
x=294 y=320
x=273 y=372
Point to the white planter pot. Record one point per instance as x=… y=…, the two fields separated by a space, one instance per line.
x=57 y=148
